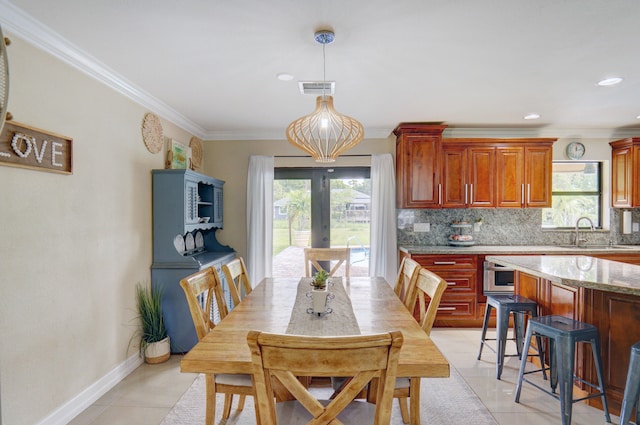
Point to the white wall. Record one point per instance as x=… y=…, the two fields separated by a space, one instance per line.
x=72 y=247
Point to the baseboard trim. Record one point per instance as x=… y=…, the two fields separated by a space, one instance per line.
x=69 y=410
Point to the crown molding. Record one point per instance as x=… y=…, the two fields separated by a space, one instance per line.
x=36 y=33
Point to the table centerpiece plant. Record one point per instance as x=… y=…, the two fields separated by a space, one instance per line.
x=320 y=280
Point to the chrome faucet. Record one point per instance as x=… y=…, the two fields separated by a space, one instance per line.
x=578 y=240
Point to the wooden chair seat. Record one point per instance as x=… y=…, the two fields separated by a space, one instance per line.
x=428 y=286
x=200 y=289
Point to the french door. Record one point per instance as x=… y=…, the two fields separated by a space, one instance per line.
x=322 y=208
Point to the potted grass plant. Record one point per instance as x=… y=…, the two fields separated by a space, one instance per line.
x=320 y=280
x=154 y=341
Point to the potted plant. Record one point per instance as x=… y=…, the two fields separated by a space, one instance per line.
x=320 y=280
x=154 y=342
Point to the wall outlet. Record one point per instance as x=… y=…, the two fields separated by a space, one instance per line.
x=421 y=227
x=636 y=227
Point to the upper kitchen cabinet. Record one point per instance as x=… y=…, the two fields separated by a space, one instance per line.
x=524 y=171
x=417 y=165
x=625 y=172
x=468 y=174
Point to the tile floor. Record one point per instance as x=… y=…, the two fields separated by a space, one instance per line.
x=148 y=394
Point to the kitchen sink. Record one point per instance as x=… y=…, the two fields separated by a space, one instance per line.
x=606 y=247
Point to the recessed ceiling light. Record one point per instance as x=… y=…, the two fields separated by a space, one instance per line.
x=610 y=81
x=532 y=116
x=638 y=117
x=283 y=76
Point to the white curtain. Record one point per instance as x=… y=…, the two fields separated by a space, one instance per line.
x=259 y=218
x=384 y=252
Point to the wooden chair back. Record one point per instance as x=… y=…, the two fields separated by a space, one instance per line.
x=406 y=282
x=432 y=286
x=200 y=288
x=238 y=279
x=313 y=256
x=286 y=357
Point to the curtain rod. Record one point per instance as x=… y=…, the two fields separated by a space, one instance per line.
x=307 y=156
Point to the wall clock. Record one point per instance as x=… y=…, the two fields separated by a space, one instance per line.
x=575 y=150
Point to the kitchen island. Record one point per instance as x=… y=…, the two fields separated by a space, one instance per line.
x=602 y=292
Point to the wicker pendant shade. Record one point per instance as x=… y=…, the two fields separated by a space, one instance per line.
x=325 y=133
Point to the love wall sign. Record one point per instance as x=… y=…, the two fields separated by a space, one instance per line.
x=28 y=147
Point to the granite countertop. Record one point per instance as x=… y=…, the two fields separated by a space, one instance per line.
x=519 y=249
x=577 y=271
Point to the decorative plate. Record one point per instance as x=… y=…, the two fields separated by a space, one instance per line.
x=178 y=242
x=190 y=242
x=199 y=240
x=152 y=133
x=196 y=152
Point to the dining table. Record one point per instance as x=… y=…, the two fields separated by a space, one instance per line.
x=363 y=305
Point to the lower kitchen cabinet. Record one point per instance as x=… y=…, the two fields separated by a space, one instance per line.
x=459 y=304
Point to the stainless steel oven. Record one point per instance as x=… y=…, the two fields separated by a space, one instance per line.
x=498 y=279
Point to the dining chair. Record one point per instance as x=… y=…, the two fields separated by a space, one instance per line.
x=200 y=290
x=281 y=359
x=238 y=279
x=429 y=286
x=313 y=257
x=406 y=282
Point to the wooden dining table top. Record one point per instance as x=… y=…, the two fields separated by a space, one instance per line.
x=268 y=308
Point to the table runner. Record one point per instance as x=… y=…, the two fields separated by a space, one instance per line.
x=341 y=320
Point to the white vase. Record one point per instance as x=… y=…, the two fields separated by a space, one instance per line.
x=158 y=352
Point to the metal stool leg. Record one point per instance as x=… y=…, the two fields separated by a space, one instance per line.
x=565 y=365
x=523 y=363
x=485 y=325
x=502 y=327
x=631 y=390
x=595 y=349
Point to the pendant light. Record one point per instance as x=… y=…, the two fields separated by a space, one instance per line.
x=325 y=133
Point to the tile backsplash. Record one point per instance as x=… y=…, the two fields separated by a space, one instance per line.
x=504 y=227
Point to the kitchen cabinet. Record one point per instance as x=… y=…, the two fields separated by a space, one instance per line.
x=625 y=172
x=436 y=172
x=468 y=175
x=524 y=172
x=185 y=242
x=417 y=165
x=459 y=304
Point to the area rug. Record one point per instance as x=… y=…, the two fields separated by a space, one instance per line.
x=445 y=401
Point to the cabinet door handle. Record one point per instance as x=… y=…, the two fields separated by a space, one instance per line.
x=444 y=263
x=471 y=194
x=466 y=192
x=452 y=283
x=522 y=194
x=446 y=308
x=439 y=193
x=528 y=193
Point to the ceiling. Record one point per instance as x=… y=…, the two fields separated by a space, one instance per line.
x=210 y=66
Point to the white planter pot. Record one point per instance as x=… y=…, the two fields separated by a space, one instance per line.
x=158 y=352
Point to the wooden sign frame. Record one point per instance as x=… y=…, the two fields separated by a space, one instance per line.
x=28 y=147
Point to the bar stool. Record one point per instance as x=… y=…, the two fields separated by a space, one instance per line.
x=506 y=305
x=563 y=334
x=632 y=387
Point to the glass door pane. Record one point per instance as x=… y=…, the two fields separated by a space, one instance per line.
x=322 y=208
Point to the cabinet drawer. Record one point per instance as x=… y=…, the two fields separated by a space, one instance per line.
x=435 y=262
x=462 y=281
x=457 y=307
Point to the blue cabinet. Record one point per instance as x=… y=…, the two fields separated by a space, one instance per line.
x=187 y=212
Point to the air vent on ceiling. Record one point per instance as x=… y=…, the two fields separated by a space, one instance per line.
x=317 y=87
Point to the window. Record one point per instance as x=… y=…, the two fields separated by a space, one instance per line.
x=576 y=192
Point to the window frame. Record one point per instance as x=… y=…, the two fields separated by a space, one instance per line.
x=600 y=193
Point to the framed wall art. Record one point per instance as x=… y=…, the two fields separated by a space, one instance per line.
x=178 y=155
